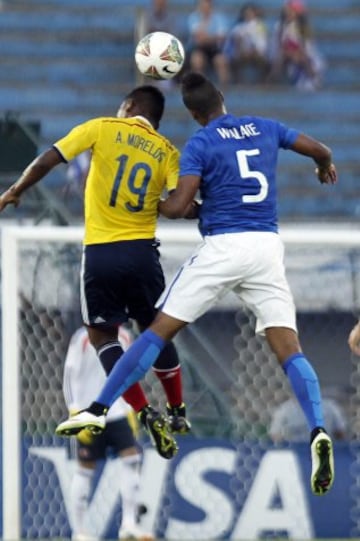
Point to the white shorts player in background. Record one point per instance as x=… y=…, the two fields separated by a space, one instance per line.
x=83 y=378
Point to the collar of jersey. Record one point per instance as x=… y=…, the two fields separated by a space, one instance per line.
x=221 y=119
x=144 y=120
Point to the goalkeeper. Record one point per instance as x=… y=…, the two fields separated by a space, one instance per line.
x=83 y=378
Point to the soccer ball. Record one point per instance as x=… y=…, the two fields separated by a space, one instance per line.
x=159 y=55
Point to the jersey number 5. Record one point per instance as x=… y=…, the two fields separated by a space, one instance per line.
x=245 y=172
x=137 y=181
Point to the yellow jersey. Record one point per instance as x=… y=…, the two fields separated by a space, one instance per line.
x=131 y=165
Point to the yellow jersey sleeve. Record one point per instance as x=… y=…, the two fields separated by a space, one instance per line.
x=173 y=170
x=131 y=165
x=82 y=137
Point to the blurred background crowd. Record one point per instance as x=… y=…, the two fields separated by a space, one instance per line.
x=291 y=60
x=247 y=48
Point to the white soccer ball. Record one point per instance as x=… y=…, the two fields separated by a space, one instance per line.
x=159 y=55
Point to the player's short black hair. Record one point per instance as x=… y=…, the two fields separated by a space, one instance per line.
x=199 y=94
x=150 y=101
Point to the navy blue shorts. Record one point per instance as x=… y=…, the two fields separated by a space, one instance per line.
x=116 y=437
x=121 y=280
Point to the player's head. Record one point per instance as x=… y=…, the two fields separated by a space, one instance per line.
x=147 y=101
x=201 y=98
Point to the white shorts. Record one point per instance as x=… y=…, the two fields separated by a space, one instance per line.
x=250 y=264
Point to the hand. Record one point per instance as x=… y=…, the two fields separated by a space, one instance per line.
x=192 y=212
x=327 y=174
x=354 y=339
x=9 y=198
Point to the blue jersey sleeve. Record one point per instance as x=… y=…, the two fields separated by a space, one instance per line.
x=287 y=136
x=192 y=157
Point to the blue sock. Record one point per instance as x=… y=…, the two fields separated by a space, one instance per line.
x=131 y=366
x=305 y=385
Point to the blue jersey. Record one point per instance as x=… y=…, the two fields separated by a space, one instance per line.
x=236 y=158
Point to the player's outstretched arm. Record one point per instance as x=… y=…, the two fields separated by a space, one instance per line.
x=354 y=339
x=32 y=174
x=321 y=154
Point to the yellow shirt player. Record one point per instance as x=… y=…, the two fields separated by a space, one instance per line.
x=131 y=164
x=121 y=276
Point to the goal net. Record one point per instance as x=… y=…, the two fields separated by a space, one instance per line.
x=232 y=382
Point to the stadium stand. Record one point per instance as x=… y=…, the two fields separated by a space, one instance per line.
x=63 y=65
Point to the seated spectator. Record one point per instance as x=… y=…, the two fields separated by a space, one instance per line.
x=159 y=19
x=294 y=54
x=246 y=47
x=289 y=424
x=207 y=30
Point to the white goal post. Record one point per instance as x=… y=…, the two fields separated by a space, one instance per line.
x=331 y=259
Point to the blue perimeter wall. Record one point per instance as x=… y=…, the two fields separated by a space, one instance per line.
x=213 y=486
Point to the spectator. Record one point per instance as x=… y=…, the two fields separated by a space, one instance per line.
x=246 y=47
x=83 y=377
x=294 y=54
x=207 y=31
x=159 y=19
x=289 y=424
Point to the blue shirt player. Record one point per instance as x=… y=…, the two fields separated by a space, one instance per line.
x=232 y=161
x=236 y=159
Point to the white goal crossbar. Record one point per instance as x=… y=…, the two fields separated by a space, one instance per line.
x=183 y=234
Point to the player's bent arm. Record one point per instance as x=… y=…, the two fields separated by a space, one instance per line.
x=180 y=203
x=34 y=172
x=320 y=153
